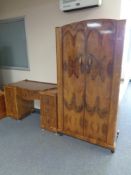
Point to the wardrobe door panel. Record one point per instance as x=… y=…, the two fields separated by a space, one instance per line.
x=100 y=45
x=73 y=78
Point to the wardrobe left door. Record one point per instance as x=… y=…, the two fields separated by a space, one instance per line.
x=73 y=78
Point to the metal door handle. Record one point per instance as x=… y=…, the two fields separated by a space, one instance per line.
x=80 y=60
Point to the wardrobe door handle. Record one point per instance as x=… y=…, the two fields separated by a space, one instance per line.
x=89 y=61
x=80 y=60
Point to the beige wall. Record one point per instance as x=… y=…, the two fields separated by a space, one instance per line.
x=42 y=16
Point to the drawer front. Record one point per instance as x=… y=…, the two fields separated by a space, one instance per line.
x=49 y=100
x=10 y=98
x=49 y=112
x=28 y=94
x=2 y=106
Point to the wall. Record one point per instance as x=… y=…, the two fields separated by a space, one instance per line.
x=125 y=13
x=126 y=65
x=42 y=16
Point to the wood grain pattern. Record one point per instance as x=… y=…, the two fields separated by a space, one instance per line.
x=73 y=56
x=10 y=99
x=49 y=116
x=100 y=53
x=89 y=61
x=59 y=77
x=2 y=105
x=20 y=97
x=16 y=106
x=112 y=123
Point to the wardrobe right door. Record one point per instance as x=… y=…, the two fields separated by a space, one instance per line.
x=104 y=43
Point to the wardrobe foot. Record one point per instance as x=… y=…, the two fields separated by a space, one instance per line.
x=60 y=134
x=118 y=132
x=112 y=151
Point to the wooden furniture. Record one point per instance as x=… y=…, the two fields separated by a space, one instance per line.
x=48 y=104
x=20 y=97
x=89 y=55
x=2 y=105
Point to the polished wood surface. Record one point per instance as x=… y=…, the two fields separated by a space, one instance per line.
x=49 y=114
x=33 y=85
x=10 y=99
x=73 y=78
x=2 y=105
x=59 y=77
x=20 y=97
x=89 y=55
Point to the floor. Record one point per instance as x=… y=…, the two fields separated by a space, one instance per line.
x=26 y=150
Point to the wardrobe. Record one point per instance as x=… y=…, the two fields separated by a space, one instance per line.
x=89 y=56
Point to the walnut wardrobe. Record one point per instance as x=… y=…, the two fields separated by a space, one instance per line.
x=89 y=56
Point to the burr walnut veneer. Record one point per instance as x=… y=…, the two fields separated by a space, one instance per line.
x=2 y=105
x=20 y=97
x=89 y=55
x=48 y=104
